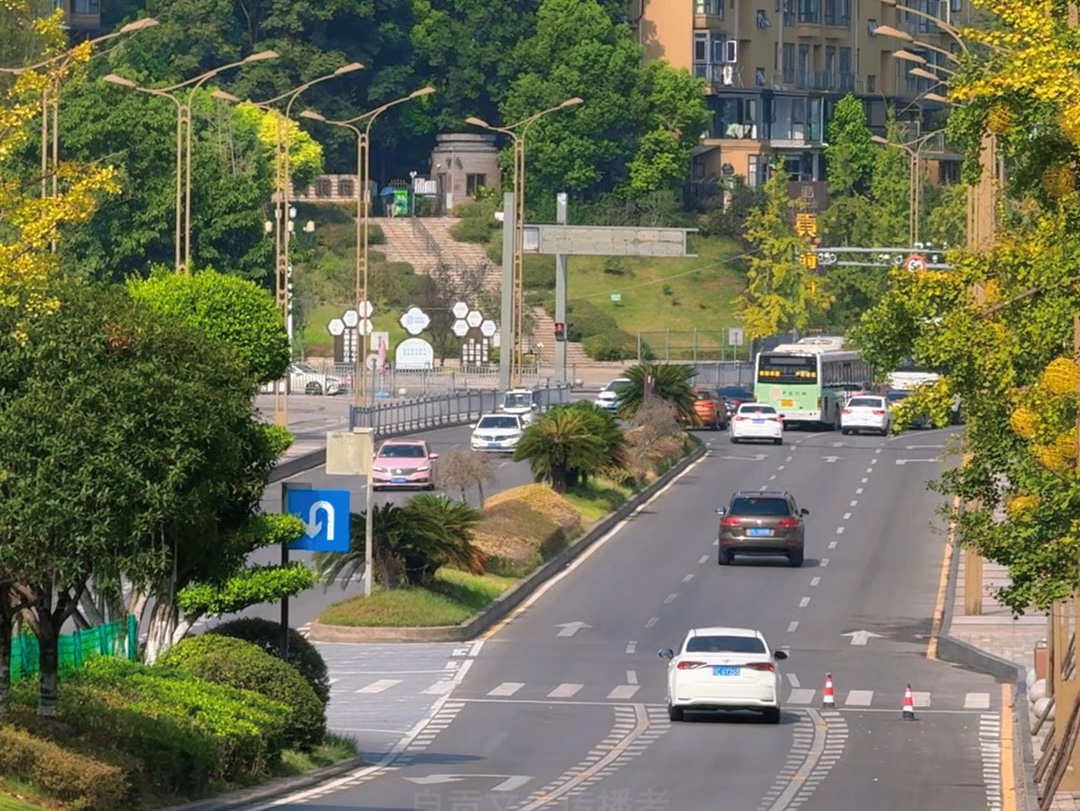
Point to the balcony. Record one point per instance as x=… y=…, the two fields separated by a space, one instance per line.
x=718 y=76
x=824 y=81
x=708 y=14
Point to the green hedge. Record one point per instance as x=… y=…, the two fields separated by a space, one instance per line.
x=188 y=733
x=302 y=655
x=473 y=230
x=82 y=783
x=245 y=666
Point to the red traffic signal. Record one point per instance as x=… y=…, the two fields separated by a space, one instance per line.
x=560 y=331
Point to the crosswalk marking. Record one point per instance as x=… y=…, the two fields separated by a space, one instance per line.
x=977 y=701
x=921 y=699
x=379 y=686
x=439 y=688
x=859 y=698
x=507 y=688
x=565 y=690
x=624 y=691
x=801 y=695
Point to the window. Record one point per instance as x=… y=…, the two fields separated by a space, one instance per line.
x=866 y=402
x=845 y=13
x=762 y=19
x=323 y=187
x=731 y=50
x=830 y=11
x=346 y=188
x=845 y=60
x=86 y=7
x=713 y=7
x=759 y=77
x=403 y=452
x=788 y=64
x=498 y=422
x=473 y=184
x=809 y=11
x=760 y=505
x=956 y=6
x=789 y=12
x=701 y=47
x=725 y=644
x=871 y=27
x=787 y=369
x=830 y=59
x=871 y=83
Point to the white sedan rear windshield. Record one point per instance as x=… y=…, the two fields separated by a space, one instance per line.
x=725 y=644
x=865 y=402
x=498 y=422
x=756 y=409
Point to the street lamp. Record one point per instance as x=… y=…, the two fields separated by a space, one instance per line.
x=914 y=150
x=904 y=36
x=183 y=144
x=517 y=314
x=50 y=105
x=363 y=215
x=282 y=149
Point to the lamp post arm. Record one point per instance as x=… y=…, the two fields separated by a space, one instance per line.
x=948 y=28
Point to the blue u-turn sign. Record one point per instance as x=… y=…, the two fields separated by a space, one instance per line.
x=325 y=514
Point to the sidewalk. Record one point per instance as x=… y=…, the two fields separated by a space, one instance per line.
x=1013 y=639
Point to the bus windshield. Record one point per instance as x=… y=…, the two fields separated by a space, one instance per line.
x=787 y=369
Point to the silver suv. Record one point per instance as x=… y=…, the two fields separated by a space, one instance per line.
x=762 y=524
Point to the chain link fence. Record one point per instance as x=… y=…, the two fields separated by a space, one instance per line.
x=689 y=346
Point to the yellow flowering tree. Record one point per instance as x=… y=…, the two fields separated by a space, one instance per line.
x=271 y=128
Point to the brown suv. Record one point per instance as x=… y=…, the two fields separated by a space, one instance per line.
x=762 y=523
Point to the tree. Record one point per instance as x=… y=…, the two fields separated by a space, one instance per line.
x=557 y=445
x=850 y=154
x=235 y=312
x=93 y=488
x=438 y=291
x=781 y=292
x=665 y=381
x=460 y=469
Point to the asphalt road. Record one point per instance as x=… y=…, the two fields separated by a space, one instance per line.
x=529 y=719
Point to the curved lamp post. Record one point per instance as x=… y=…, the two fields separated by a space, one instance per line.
x=363 y=213
x=517 y=133
x=914 y=151
x=183 y=144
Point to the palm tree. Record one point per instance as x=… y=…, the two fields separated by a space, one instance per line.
x=667 y=381
x=604 y=425
x=560 y=445
x=458 y=520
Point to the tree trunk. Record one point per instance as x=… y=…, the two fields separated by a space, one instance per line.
x=559 y=476
x=480 y=490
x=48 y=636
x=164 y=620
x=7 y=636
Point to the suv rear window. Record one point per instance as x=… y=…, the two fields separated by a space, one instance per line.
x=725 y=644
x=765 y=505
x=868 y=402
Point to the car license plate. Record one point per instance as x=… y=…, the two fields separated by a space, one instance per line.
x=759 y=532
x=725 y=671
x=494 y=445
x=759 y=422
x=398 y=480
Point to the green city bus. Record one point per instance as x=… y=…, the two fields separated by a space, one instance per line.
x=809 y=381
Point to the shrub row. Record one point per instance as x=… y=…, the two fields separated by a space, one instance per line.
x=525 y=526
x=83 y=783
x=600 y=336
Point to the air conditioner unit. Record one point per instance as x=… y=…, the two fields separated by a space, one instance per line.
x=727 y=75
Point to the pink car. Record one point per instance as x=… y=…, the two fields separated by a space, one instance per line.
x=403 y=463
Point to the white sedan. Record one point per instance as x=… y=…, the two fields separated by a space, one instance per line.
x=756 y=421
x=866 y=413
x=724 y=669
x=497 y=433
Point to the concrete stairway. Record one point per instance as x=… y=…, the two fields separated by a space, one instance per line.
x=544 y=333
x=468 y=254
x=402 y=244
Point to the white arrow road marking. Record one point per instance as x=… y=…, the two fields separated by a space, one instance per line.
x=571 y=628
x=831 y=459
x=836 y=445
x=508 y=782
x=314 y=527
x=861 y=637
x=922 y=447
x=906 y=461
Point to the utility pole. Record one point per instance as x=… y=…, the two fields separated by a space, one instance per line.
x=507 y=337
x=562 y=266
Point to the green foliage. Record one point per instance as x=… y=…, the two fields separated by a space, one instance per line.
x=302 y=655
x=241 y=315
x=246 y=666
x=566 y=445
x=473 y=229
x=81 y=782
x=850 y=155
x=251 y=586
x=611 y=346
x=411 y=543
x=666 y=381
x=188 y=733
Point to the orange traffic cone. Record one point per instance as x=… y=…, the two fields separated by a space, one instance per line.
x=909 y=704
x=828 y=699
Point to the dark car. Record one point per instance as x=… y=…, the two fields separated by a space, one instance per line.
x=762 y=524
x=734 y=396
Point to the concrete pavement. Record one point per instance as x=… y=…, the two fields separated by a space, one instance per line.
x=531 y=719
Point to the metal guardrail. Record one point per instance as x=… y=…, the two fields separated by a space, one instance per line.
x=738 y=373
x=441 y=411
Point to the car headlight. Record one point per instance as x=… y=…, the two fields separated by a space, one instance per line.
x=378 y=470
x=423 y=469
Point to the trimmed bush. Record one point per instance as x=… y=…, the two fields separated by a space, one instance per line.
x=473 y=230
x=188 y=733
x=246 y=666
x=302 y=655
x=524 y=526
x=585 y=319
x=607 y=346
x=80 y=782
x=375 y=235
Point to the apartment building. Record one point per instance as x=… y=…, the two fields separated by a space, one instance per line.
x=81 y=15
x=776 y=69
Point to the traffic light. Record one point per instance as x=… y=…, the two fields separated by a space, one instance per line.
x=560 y=331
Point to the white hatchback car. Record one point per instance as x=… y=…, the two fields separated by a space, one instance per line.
x=497 y=433
x=866 y=413
x=724 y=669
x=756 y=421
x=608 y=397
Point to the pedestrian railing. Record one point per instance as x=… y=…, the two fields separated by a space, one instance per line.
x=116 y=639
x=442 y=410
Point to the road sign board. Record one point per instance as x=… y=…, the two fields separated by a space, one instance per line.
x=365 y=309
x=364 y=327
x=487 y=328
x=596 y=240
x=474 y=318
x=915 y=262
x=336 y=327
x=735 y=336
x=325 y=514
x=460 y=328
x=351 y=318
x=414 y=321
x=460 y=310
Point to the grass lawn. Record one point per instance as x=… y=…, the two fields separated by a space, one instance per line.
x=597 y=499
x=33 y=800
x=455 y=597
x=332 y=750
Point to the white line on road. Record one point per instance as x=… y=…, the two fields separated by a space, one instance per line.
x=623 y=692
x=814 y=581
x=688 y=578
x=977 y=701
x=670 y=598
x=631 y=677
x=792 y=626
x=847 y=516
x=789 y=458
x=793 y=680
x=772 y=477
x=652 y=621
x=781 y=467
x=507 y=688
x=865 y=480
x=873 y=461
x=839 y=530
x=869 y=470
x=858 y=491
x=832 y=544
x=631 y=647
x=859 y=698
x=379 y=686
x=704 y=559
x=565 y=690
x=804 y=602
x=824 y=562
x=854 y=504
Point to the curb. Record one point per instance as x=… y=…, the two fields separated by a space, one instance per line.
x=512 y=598
x=950 y=649
x=298 y=464
x=272 y=790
